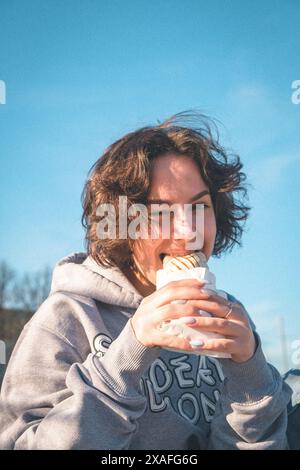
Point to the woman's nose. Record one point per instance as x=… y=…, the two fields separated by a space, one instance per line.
x=183 y=228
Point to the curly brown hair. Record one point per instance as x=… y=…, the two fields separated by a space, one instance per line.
x=124 y=169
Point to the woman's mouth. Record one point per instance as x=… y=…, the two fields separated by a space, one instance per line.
x=173 y=254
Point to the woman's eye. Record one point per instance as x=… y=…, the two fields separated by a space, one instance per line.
x=194 y=206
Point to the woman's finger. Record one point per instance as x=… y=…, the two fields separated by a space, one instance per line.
x=219 y=307
x=221 y=345
x=212 y=324
x=174 y=311
x=187 y=289
x=173 y=342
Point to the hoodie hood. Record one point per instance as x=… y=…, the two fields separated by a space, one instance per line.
x=78 y=273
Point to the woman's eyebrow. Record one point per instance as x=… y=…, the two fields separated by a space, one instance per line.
x=197 y=196
x=194 y=198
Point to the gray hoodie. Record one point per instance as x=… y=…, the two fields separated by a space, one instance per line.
x=79 y=379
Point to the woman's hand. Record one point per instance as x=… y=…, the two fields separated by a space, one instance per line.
x=157 y=308
x=239 y=340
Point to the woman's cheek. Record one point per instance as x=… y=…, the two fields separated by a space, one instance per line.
x=210 y=232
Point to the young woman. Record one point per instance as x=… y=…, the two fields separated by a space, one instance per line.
x=91 y=369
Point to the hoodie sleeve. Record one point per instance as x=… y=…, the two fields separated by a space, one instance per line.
x=252 y=409
x=51 y=399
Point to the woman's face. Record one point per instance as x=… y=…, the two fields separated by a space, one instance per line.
x=175 y=179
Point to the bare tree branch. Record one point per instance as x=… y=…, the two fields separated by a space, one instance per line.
x=30 y=291
x=6 y=276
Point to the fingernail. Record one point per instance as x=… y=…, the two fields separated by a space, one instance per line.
x=206 y=291
x=187 y=320
x=196 y=343
x=204 y=314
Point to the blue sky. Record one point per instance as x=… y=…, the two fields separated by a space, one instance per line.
x=80 y=74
